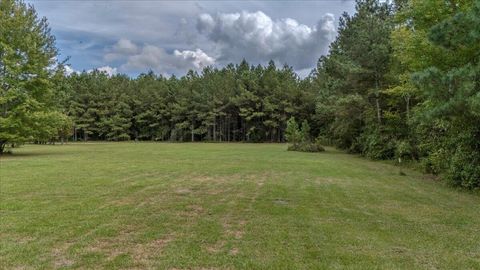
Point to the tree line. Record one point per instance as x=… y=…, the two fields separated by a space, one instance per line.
x=236 y=103
x=401 y=81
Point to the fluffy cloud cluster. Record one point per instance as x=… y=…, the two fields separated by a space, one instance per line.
x=197 y=58
x=69 y=70
x=229 y=37
x=110 y=71
x=259 y=38
x=143 y=58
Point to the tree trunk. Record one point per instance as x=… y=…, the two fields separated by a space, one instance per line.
x=377 y=101
x=193 y=138
x=407 y=100
x=379 y=116
x=215 y=129
x=244 y=134
x=2 y=147
x=228 y=129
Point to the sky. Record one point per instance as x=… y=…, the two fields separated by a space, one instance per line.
x=171 y=37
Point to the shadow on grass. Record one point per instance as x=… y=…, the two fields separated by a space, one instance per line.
x=17 y=155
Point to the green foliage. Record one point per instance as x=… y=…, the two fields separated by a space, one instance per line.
x=299 y=139
x=235 y=103
x=400 y=82
x=306 y=147
x=377 y=145
x=27 y=51
x=451 y=92
x=405 y=85
x=404 y=150
x=292 y=134
x=305 y=131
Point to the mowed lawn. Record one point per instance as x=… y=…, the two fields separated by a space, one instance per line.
x=226 y=206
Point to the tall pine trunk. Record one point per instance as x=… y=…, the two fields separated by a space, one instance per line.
x=193 y=137
x=377 y=100
x=215 y=130
x=407 y=101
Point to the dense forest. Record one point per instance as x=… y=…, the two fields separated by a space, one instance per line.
x=401 y=81
x=235 y=103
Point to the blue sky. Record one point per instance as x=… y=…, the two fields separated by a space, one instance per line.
x=171 y=37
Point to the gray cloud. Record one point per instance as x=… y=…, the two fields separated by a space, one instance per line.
x=257 y=37
x=121 y=49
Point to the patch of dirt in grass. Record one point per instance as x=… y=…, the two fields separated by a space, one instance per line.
x=60 y=258
x=238 y=234
x=125 y=243
x=280 y=201
x=234 y=251
x=329 y=181
x=205 y=178
x=200 y=268
x=135 y=176
x=236 y=230
x=183 y=191
x=217 y=247
x=399 y=250
x=22 y=240
x=21 y=267
x=195 y=208
x=425 y=260
x=123 y=201
x=192 y=211
x=142 y=253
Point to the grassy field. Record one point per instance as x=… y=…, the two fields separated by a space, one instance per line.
x=226 y=206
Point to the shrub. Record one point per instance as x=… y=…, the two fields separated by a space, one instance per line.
x=377 y=146
x=464 y=169
x=300 y=139
x=306 y=147
x=324 y=140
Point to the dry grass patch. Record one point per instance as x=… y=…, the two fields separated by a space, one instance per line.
x=59 y=256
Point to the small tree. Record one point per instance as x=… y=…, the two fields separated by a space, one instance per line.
x=292 y=134
x=305 y=132
x=65 y=128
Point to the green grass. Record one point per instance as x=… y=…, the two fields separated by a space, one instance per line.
x=226 y=206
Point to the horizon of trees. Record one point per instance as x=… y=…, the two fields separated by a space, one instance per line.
x=401 y=81
x=235 y=103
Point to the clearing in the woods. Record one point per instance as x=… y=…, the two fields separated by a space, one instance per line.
x=226 y=206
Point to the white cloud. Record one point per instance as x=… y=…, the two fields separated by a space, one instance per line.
x=258 y=38
x=198 y=58
x=69 y=70
x=110 y=71
x=157 y=59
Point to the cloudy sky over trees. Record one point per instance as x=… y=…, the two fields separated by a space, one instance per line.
x=171 y=37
